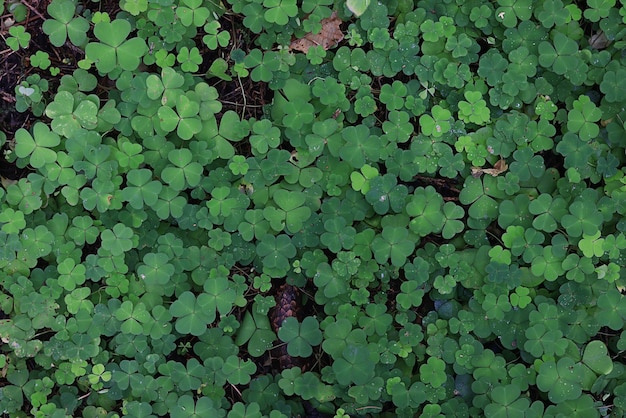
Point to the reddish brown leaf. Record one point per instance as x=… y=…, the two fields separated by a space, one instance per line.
x=329 y=36
x=498 y=168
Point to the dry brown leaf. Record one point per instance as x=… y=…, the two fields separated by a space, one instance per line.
x=498 y=168
x=598 y=40
x=329 y=36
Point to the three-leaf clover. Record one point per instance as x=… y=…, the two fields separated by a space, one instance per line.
x=184 y=172
x=19 y=37
x=193 y=313
x=395 y=243
x=279 y=11
x=64 y=24
x=507 y=402
x=275 y=251
x=300 y=337
x=354 y=366
x=257 y=332
x=561 y=380
x=191 y=12
x=475 y=109
x=291 y=210
x=37 y=147
x=69 y=114
x=115 y=50
x=185 y=119
x=583 y=117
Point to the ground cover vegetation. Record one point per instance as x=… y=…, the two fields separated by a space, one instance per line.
x=276 y=208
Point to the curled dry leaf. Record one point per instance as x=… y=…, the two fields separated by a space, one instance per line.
x=598 y=40
x=329 y=36
x=499 y=167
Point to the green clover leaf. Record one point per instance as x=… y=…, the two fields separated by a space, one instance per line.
x=583 y=117
x=300 y=337
x=507 y=402
x=257 y=332
x=548 y=211
x=291 y=209
x=475 y=109
x=279 y=11
x=452 y=224
x=221 y=293
x=561 y=380
x=19 y=37
x=13 y=221
x=385 y=194
x=71 y=274
x=394 y=243
x=190 y=59
x=425 y=207
x=339 y=235
x=183 y=172
x=358 y=7
x=187 y=407
x=554 y=13
x=560 y=55
x=583 y=218
x=118 y=240
x=115 y=50
x=214 y=37
x=542 y=340
x=392 y=95
x=613 y=85
x=598 y=9
x=511 y=10
x=492 y=66
x=68 y=117
x=192 y=13
x=477 y=192
x=238 y=371
x=397 y=128
x=64 y=25
x=480 y=15
x=193 y=313
x=142 y=188
x=329 y=282
x=433 y=372
x=275 y=252
x=155 y=269
x=596 y=357
x=265 y=136
x=37 y=146
x=354 y=366
x=612 y=309
x=360 y=146
x=133 y=317
x=437 y=124
x=576 y=152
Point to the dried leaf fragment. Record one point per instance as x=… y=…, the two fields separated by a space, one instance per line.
x=499 y=167
x=598 y=40
x=329 y=36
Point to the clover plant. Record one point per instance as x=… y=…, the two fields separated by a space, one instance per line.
x=340 y=207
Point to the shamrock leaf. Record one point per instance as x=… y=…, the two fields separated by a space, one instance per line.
x=583 y=117
x=64 y=25
x=114 y=49
x=37 y=147
x=561 y=380
x=193 y=313
x=300 y=337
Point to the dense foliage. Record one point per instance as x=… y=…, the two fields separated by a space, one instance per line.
x=445 y=186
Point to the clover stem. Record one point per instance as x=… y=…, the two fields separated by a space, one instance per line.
x=243 y=94
x=32 y=9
